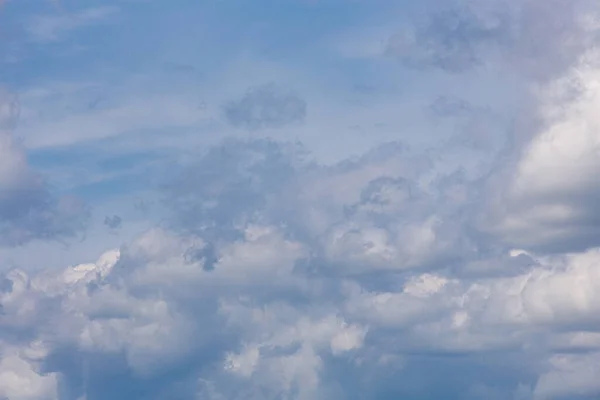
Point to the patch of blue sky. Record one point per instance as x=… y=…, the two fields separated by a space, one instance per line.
x=96 y=176
x=104 y=59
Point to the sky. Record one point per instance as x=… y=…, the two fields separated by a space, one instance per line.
x=299 y=199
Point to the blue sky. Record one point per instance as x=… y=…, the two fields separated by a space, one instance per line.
x=299 y=199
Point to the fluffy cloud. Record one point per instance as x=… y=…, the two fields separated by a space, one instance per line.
x=466 y=271
x=260 y=325
x=549 y=200
x=289 y=308
x=20 y=377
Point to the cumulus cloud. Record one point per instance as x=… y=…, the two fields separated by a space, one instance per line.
x=549 y=200
x=28 y=211
x=356 y=303
x=540 y=192
x=463 y=272
x=257 y=326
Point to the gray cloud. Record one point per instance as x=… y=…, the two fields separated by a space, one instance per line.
x=463 y=272
x=368 y=281
x=453 y=37
x=543 y=194
x=113 y=222
x=230 y=185
x=266 y=106
x=540 y=190
x=538 y=38
x=28 y=211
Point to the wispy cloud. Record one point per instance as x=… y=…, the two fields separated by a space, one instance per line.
x=28 y=210
x=50 y=28
x=266 y=106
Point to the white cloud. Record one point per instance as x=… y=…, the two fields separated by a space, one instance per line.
x=569 y=375
x=550 y=197
x=19 y=380
x=391 y=275
x=278 y=330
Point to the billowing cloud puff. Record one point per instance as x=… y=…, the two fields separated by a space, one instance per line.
x=552 y=191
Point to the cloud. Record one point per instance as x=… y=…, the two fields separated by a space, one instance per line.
x=49 y=28
x=466 y=270
x=540 y=191
x=20 y=378
x=113 y=222
x=453 y=37
x=27 y=209
x=273 y=310
x=256 y=326
x=549 y=200
x=575 y=375
x=118 y=113
x=536 y=38
x=229 y=184
x=266 y=107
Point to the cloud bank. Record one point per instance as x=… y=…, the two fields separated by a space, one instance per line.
x=469 y=270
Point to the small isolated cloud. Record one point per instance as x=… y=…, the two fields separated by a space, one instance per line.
x=113 y=222
x=266 y=106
